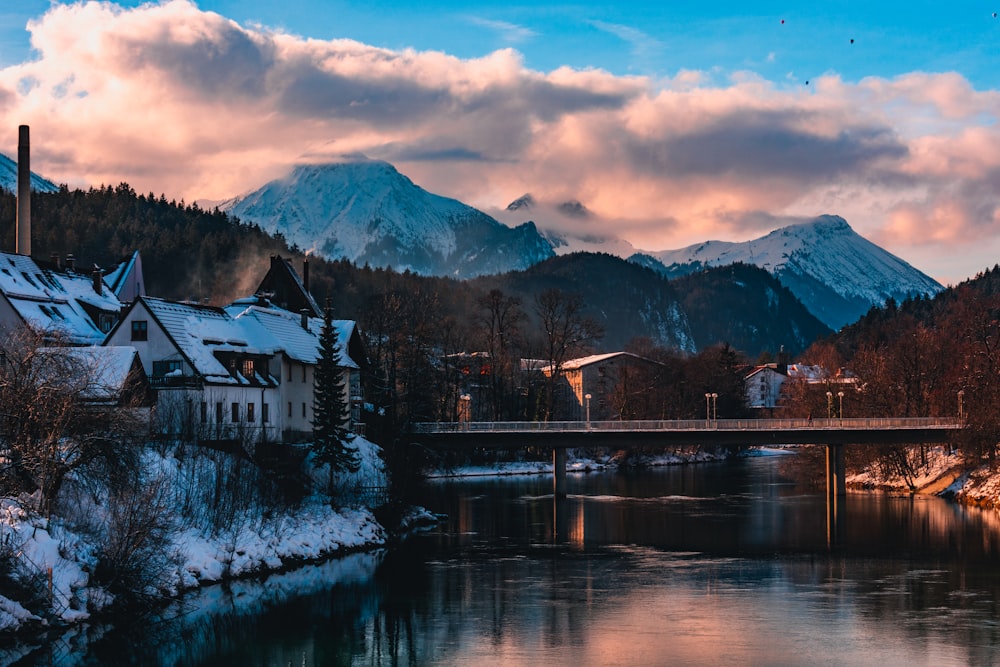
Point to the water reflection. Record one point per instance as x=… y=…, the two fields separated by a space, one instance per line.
x=709 y=565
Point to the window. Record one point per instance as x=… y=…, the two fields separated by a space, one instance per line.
x=161 y=368
x=236 y=413
x=303 y=409
x=218 y=412
x=204 y=412
x=248 y=368
x=140 y=330
x=290 y=374
x=265 y=417
x=289 y=408
x=303 y=373
x=250 y=413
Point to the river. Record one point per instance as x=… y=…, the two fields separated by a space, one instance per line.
x=710 y=564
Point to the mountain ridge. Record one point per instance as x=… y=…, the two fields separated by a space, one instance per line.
x=837 y=273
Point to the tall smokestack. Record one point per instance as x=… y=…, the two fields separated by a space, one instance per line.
x=23 y=223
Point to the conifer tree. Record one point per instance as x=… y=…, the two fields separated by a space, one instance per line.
x=331 y=440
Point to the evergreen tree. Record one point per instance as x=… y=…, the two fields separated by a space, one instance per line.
x=331 y=440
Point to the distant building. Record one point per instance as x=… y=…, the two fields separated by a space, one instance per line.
x=613 y=381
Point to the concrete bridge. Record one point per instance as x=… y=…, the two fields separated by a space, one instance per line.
x=834 y=434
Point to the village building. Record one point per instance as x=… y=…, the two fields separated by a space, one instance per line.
x=210 y=377
x=244 y=372
x=295 y=342
x=111 y=376
x=56 y=301
x=602 y=386
x=766 y=387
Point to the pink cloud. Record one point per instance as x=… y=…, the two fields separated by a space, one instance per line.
x=174 y=99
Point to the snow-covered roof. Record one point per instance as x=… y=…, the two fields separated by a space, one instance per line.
x=575 y=364
x=284 y=332
x=53 y=300
x=201 y=331
x=105 y=368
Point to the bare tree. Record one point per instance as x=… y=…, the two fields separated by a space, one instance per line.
x=58 y=414
x=499 y=325
x=567 y=331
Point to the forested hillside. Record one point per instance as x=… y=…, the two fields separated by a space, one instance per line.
x=926 y=357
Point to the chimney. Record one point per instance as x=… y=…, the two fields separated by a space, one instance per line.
x=56 y=260
x=98 y=277
x=305 y=274
x=70 y=262
x=305 y=318
x=23 y=222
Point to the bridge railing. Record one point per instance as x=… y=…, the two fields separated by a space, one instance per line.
x=864 y=423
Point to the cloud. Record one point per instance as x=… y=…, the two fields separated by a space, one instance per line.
x=174 y=99
x=644 y=47
x=511 y=32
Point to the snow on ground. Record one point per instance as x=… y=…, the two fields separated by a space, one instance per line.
x=55 y=561
x=939 y=462
x=576 y=462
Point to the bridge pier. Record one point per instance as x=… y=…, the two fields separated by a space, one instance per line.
x=559 y=472
x=836 y=495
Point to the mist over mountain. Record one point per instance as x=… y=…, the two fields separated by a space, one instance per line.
x=365 y=211
x=836 y=273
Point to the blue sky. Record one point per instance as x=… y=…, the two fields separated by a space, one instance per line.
x=671 y=123
x=780 y=40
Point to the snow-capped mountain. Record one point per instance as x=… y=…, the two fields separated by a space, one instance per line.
x=568 y=226
x=838 y=274
x=367 y=212
x=8 y=178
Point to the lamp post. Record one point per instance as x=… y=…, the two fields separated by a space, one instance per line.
x=829 y=405
x=715 y=407
x=711 y=406
x=961 y=404
x=466 y=415
x=586 y=404
x=840 y=395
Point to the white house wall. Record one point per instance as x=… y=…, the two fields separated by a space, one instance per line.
x=157 y=346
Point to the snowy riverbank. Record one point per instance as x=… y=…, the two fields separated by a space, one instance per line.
x=56 y=560
x=939 y=471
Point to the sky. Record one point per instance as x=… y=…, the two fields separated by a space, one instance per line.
x=668 y=125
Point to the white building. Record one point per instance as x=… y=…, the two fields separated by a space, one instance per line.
x=245 y=372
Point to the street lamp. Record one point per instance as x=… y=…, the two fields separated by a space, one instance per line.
x=961 y=404
x=466 y=415
x=840 y=395
x=829 y=405
x=710 y=406
x=586 y=404
x=715 y=407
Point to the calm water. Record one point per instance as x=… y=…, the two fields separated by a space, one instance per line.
x=720 y=564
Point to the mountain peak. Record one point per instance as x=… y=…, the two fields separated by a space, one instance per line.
x=832 y=269
x=525 y=201
x=366 y=211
